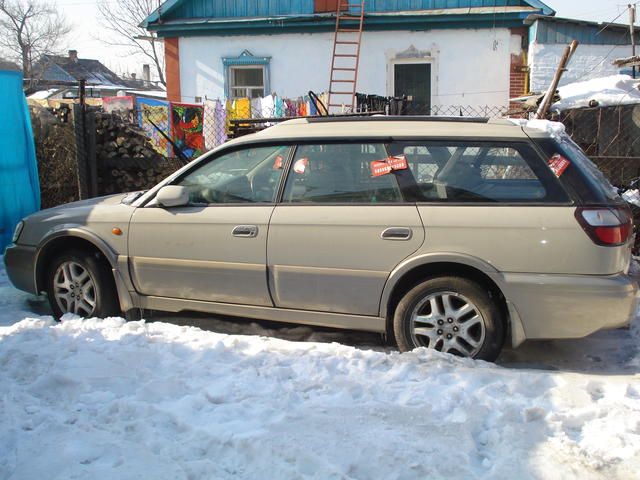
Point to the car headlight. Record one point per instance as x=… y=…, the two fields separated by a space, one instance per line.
x=17 y=231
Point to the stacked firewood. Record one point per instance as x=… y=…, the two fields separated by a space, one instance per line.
x=116 y=180
x=126 y=160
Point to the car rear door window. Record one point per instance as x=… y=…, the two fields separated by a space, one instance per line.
x=478 y=172
x=339 y=173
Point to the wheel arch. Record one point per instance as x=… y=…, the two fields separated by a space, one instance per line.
x=78 y=238
x=411 y=272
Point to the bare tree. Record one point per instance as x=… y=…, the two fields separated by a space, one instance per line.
x=30 y=29
x=123 y=18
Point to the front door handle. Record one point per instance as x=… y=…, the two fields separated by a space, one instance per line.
x=396 y=233
x=246 y=231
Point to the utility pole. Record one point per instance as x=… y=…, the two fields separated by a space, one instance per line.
x=632 y=22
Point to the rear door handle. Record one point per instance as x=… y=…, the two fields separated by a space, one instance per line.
x=246 y=231
x=396 y=233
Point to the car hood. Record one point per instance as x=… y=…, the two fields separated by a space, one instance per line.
x=88 y=214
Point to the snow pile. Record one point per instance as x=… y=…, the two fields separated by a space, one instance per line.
x=554 y=129
x=607 y=91
x=110 y=399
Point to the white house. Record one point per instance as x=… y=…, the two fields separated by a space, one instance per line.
x=600 y=44
x=457 y=54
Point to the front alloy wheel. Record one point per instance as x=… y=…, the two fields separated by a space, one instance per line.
x=81 y=282
x=74 y=289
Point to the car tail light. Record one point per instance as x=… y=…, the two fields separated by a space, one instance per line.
x=606 y=226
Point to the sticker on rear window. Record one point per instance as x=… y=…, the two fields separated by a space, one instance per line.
x=383 y=167
x=558 y=164
x=301 y=165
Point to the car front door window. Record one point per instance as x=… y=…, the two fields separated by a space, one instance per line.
x=249 y=175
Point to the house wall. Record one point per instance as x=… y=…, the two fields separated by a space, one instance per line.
x=469 y=67
x=589 y=61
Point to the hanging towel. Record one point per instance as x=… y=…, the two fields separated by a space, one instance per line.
x=242 y=107
x=209 y=125
x=256 y=108
x=220 y=123
x=279 y=107
x=268 y=107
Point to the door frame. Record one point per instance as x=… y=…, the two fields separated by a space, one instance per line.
x=391 y=70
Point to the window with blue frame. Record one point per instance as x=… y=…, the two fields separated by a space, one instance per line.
x=246 y=76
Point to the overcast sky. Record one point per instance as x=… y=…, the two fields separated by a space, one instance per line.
x=84 y=16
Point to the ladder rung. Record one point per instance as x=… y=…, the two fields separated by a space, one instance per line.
x=348 y=30
x=344 y=69
x=343 y=81
x=345 y=55
x=346 y=43
x=349 y=17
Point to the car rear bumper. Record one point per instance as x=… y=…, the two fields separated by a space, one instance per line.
x=570 y=306
x=19 y=261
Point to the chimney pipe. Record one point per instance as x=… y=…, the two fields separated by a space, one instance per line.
x=146 y=73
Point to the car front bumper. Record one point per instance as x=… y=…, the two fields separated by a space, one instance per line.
x=19 y=261
x=570 y=306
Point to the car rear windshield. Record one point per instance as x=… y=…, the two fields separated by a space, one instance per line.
x=582 y=176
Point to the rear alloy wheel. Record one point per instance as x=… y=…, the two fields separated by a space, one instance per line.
x=451 y=315
x=79 y=283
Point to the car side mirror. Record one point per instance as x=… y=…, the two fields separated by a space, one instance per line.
x=172 y=196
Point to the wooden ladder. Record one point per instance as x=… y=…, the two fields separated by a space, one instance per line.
x=346 y=55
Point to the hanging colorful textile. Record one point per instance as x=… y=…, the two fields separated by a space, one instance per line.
x=214 y=125
x=186 y=126
x=150 y=112
x=279 y=107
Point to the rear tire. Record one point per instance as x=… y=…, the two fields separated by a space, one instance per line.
x=79 y=282
x=453 y=315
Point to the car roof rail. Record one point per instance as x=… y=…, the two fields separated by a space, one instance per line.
x=404 y=118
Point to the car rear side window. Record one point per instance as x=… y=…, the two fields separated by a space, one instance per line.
x=582 y=176
x=471 y=172
x=339 y=173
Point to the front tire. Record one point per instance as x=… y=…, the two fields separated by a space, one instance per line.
x=79 y=282
x=452 y=315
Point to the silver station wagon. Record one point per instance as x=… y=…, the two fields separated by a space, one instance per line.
x=447 y=234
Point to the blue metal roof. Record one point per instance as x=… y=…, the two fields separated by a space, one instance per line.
x=173 y=13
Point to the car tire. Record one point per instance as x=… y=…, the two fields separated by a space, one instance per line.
x=81 y=283
x=451 y=314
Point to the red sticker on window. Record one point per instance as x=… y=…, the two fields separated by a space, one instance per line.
x=301 y=165
x=398 y=162
x=277 y=164
x=558 y=164
x=386 y=166
x=379 y=168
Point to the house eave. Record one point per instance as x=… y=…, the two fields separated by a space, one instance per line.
x=474 y=18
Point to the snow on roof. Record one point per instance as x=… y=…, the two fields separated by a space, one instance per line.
x=43 y=94
x=606 y=92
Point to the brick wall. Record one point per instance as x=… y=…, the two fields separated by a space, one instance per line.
x=518 y=69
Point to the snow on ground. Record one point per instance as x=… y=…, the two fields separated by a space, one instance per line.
x=606 y=91
x=106 y=399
